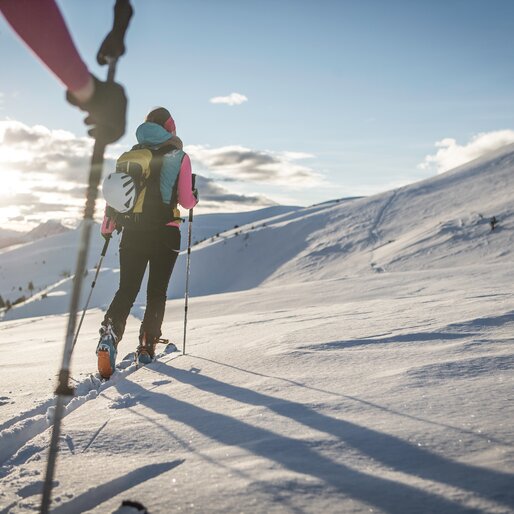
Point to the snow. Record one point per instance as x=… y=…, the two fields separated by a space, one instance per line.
x=354 y=356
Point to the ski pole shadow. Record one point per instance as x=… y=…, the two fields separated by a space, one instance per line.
x=481 y=435
x=414 y=337
x=233 y=470
x=393 y=452
x=296 y=455
x=97 y=495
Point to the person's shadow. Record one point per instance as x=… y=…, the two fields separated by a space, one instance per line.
x=301 y=456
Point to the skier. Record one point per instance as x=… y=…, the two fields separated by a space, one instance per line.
x=41 y=26
x=151 y=237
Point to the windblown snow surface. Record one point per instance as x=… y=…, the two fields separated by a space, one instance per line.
x=351 y=357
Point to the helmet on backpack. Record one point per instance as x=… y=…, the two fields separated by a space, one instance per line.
x=119 y=191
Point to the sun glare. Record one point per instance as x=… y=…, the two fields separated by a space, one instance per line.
x=11 y=181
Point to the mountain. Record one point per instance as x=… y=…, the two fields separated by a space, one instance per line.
x=45 y=229
x=440 y=222
x=352 y=356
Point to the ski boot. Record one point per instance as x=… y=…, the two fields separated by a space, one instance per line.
x=107 y=350
x=145 y=352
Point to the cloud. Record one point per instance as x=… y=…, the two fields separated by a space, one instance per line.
x=44 y=174
x=232 y=99
x=450 y=154
x=244 y=164
x=43 y=207
x=39 y=150
x=43 y=170
x=214 y=197
x=19 y=199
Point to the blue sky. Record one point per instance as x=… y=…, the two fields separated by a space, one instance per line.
x=343 y=97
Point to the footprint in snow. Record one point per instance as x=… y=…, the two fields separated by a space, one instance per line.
x=127 y=400
x=34 y=488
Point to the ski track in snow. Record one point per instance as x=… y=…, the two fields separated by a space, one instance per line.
x=374 y=233
x=14 y=450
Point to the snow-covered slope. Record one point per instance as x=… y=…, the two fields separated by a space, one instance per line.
x=356 y=357
x=382 y=393
x=48 y=263
x=437 y=223
x=9 y=237
x=208 y=225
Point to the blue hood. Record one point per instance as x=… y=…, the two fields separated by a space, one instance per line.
x=152 y=134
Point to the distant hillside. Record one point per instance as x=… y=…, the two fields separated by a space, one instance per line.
x=10 y=237
x=441 y=222
x=46 y=229
x=208 y=225
x=48 y=262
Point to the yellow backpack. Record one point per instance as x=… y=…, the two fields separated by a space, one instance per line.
x=144 y=166
x=136 y=163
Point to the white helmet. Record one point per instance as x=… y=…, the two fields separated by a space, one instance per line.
x=119 y=191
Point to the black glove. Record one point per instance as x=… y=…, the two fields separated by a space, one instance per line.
x=113 y=45
x=107 y=108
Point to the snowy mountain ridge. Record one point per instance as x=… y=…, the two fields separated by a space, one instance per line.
x=45 y=229
x=442 y=221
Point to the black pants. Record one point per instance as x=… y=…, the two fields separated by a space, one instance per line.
x=159 y=249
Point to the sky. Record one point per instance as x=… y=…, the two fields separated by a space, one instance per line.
x=289 y=102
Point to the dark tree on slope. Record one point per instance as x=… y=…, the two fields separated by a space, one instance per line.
x=30 y=287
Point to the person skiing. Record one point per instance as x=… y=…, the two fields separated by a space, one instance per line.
x=149 y=238
x=41 y=26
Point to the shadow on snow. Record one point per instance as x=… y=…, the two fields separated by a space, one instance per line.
x=299 y=456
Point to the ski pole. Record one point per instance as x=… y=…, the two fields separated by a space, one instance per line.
x=102 y=255
x=63 y=388
x=188 y=270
